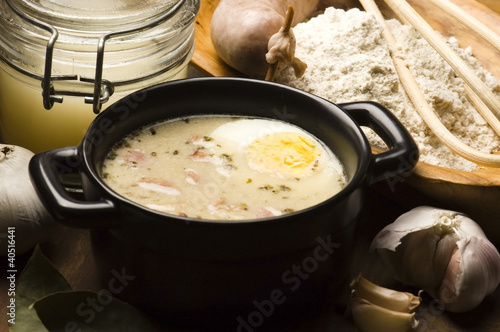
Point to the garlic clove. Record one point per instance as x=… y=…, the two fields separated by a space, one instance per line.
x=417 y=263
x=472 y=274
x=369 y=317
x=449 y=288
x=444 y=253
x=420 y=259
x=384 y=297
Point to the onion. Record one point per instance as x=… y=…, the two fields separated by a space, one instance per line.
x=24 y=221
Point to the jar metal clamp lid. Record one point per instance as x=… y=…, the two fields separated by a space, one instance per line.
x=102 y=88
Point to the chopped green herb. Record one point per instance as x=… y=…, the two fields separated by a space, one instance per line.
x=284 y=188
x=266 y=187
x=112 y=155
x=226 y=157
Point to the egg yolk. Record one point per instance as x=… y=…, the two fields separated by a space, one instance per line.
x=283 y=154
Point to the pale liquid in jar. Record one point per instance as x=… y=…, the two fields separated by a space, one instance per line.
x=225 y=168
x=25 y=122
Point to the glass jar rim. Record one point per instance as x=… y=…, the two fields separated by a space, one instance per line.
x=94 y=15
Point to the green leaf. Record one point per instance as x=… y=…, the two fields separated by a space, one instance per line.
x=38 y=279
x=84 y=311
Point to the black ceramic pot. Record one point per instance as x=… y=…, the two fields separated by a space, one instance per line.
x=231 y=272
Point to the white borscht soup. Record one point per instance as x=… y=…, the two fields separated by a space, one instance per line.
x=223 y=167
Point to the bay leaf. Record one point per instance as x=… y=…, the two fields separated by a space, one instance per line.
x=84 y=311
x=38 y=279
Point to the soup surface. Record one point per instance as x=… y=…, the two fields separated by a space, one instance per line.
x=221 y=167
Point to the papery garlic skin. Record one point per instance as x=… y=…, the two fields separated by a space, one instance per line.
x=20 y=206
x=442 y=252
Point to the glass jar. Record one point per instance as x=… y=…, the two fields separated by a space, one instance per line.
x=62 y=62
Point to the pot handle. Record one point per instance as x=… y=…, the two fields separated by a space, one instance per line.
x=46 y=169
x=402 y=155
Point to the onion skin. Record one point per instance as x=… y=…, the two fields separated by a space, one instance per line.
x=20 y=207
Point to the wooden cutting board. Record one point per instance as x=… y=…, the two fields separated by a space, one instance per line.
x=205 y=58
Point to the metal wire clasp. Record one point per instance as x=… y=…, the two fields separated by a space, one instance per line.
x=103 y=89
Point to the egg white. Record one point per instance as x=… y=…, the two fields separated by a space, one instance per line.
x=244 y=131
x=248 y=137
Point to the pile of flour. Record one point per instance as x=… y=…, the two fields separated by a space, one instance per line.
x=348 y=60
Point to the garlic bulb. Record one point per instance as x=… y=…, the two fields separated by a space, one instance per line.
x=442 y=252
x=23 y=218
x=375 y=308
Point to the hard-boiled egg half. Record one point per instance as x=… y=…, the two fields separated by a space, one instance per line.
x=275 y=147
